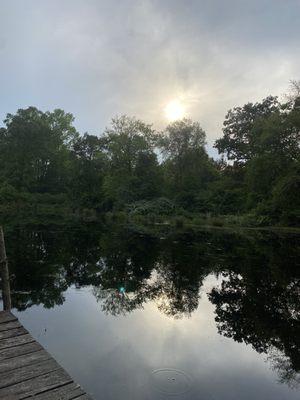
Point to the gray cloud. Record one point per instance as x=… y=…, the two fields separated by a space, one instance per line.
x=102 y=58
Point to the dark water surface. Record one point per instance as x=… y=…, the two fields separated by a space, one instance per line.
x=137 y=315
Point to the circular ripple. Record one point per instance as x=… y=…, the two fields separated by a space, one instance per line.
x=171 y=381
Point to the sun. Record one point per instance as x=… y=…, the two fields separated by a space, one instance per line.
x=174 y=110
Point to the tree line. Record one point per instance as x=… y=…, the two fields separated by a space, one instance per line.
x=133 y=168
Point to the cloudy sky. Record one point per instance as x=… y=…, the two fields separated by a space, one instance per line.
x=101 y=58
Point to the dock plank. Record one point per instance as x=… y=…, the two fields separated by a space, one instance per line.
x=13 y=332
x=6 y=316
x=15 y=341
x=23 y=360
x=27 y=370
x=66 y=392
x=37 y=385
x=24 y=373
x=19 y=350
x=9 y=325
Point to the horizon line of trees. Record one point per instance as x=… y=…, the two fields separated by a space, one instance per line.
x=43 y=159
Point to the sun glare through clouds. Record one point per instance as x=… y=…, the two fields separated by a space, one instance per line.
x=174 y=110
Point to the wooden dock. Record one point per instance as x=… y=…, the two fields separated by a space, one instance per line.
x=27 y=371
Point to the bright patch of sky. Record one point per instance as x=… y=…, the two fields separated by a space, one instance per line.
x=98 y=59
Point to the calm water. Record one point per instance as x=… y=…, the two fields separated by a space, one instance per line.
x=134 y=315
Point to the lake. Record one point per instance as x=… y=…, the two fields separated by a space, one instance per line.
x=138 y=314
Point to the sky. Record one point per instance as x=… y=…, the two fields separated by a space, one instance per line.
x=102 y=58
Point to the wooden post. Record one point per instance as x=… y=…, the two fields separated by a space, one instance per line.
x=4 y=274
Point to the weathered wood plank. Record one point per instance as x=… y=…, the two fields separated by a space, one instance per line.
x=23 y=360
x=24 y=373
x=15 y=341
x=6 y=316
x=19 y=350
x=36 y=385
x=66 y=392
x=9 y=325
x=13 y=332
x=27 y=370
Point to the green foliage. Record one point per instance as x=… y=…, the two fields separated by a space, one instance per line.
x=133 y=170
x=217 y=222
x=187 y=168
x=239 y=141
x=33 y=150
x=263 y=140
x=286 y=199
x=160 y=206
x=87 y=169
x=179 y=222
x=47 y=167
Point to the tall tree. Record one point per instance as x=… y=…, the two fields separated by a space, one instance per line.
x=187 y=166
x=263 y=141
x=133 y=167
x=239 y=136
x=34 y=148
x=88 y=167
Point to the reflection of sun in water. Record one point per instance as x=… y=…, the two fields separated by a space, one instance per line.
x=174 y=110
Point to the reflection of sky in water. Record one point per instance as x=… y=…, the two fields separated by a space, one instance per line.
x=114 y=357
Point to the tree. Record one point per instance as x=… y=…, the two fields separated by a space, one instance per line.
x=187 y=166
x=239 y=137
x=263 y=140
x=34 y=148
x=293 y=95
x=132 y=164
x=88 y=168
x=285 y=200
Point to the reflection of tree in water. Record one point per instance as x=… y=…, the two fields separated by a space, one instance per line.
x=172 y=298
x=35 y=276
x=127 y=262
x=258 y=304
x=284 y=368
x=181 y=269
x=150 y=270
x=116 y=302
x=177 y=294
x=44 y=263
